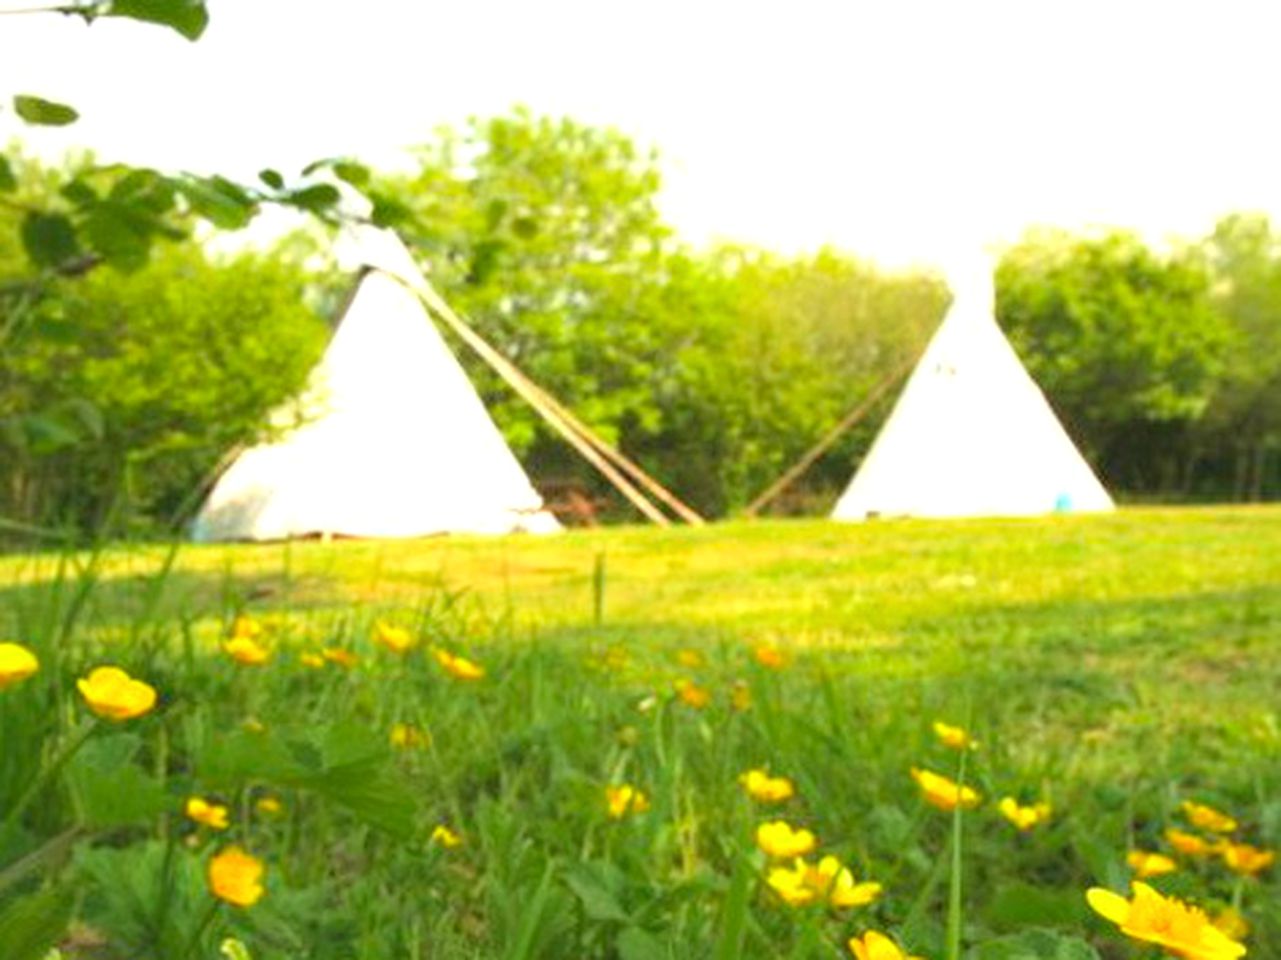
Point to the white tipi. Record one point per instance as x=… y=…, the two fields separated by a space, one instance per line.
x=394 y=440
x=971 y=434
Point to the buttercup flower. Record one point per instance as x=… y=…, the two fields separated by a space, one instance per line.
x=877 y=946
x=692 y=695
x=625 y=799
x=16 y=664
x=761 y=786
x=789 y=883
x=1246 y=860
x=236 y=877
x=407 y=736
x=114 y=695
x=340 y=656
x=1024 y=818
x=689 y=659
x=460 y=668
x=779 y=840
x=769 y=656
x=954 y=738
x=1231 y=922
x=1146 y=864
x=941 y=792
x=269 y=806
x=245 y=628
x=395 y=639
x=829 y=881
x=1189 y=844
x=838 y=885
x=212 y=815
x=1207 y=818
x=446 y=837
x=1181 y=930
x=246 y=651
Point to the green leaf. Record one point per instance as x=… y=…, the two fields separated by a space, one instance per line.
x=595 y=888
x=218 y=200
x=272 y=178
x=1035 y=945
x=110 y=788
x=187 y=17
x=348 y=171
x=45 y=113
x=387 y=211
x=1021 y=905
x=317 y=198
x=635 y=944
x=79 y=193
x=8 y=182
x=120 y=232
x=32 y=926
x=49 y=239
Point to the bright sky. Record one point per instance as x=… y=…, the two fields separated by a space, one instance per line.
x=900 y=130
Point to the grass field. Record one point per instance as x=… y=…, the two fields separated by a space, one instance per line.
x=1112 y=666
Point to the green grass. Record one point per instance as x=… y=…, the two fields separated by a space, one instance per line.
x=1115 y=665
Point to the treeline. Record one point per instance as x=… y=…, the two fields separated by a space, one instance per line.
x=121 y=392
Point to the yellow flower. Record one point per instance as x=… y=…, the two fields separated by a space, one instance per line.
x=246 y=651
x=460 y=668
x=245 y=628
x=446 y=837
x=1182 y=930
x=16 y=664
x=1025 y=818
x=941 y=792
x=395 y=639
x=837 y=883
x=954 y=738
x=761 y=786
x=1146 y=864
x=689 y=659
x=829 y=881
x=740 y=697
x=407 y=736
x=1207 y=818
x=769 y=656
x=789 y=883
x=1246 y=860
x=340 y=656
x=313 y=660
x=692 y=695
x=212 y=815
x=113 y=694
x=269 y=806
x=236 y=877
x=779 y=840
x=625 y=799
x=1230 y=922
x=1190 y=845
x=877 y=946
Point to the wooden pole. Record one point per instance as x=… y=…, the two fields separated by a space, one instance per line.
x=619 y=459
x=533 y=395
x=820 y=448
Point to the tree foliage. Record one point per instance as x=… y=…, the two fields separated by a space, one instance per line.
x=1126 y=344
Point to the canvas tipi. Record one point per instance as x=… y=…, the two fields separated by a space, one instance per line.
x=393 y=442
x=971 y=434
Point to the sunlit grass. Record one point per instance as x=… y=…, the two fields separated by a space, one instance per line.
x=1109 y=666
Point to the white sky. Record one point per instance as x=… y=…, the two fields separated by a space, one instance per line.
x=900 y=130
